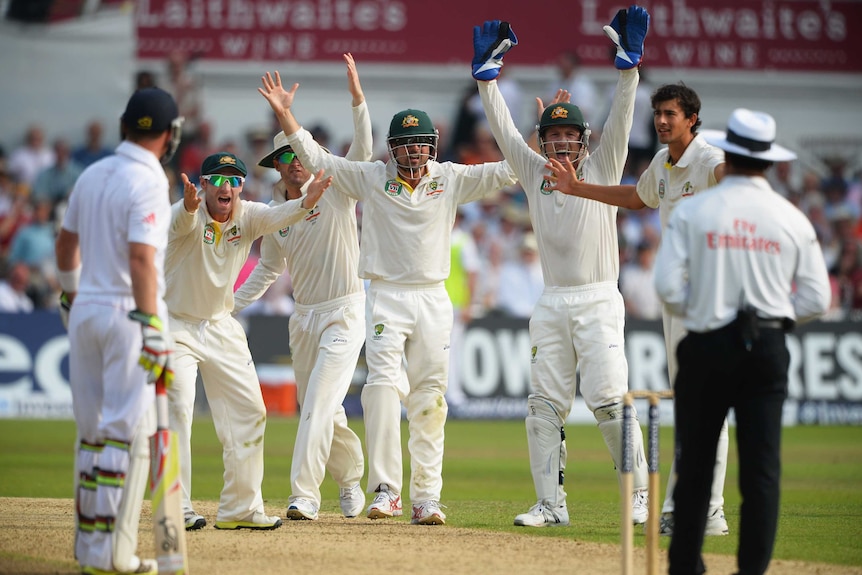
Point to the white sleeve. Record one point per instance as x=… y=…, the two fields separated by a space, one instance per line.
x=361 y=148
x=523 y=159
x=813 y=293
x=605 y=165
x=671 y=266
x=267 y=219
x=269 y=267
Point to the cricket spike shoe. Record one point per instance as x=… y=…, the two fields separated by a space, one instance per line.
x=386 y=504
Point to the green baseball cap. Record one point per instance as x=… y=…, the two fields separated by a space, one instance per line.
x=562 y=114
x=216 y=162
x=411 y=123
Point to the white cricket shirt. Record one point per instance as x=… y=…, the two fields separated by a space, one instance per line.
x=204 y=257
x=663 y=186
x=406 y=233
x=321 y=250
x=740 y=243
x=577 y=237
x=120 y=199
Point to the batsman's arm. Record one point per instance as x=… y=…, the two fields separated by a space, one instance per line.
x=68 y=254
x=142 y=269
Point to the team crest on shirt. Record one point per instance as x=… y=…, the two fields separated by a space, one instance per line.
x=687 y=189
x=209 y=234
x=434 y=190
x=393 y=188
x=284 y=231
x=378 y=332
x=233 y=236
x=545 y=188
x=312 y=215
x=661 y=187
x=533 y=354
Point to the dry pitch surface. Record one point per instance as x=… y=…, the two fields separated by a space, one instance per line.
x=36 y=538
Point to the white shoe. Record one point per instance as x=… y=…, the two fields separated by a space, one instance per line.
x=386 y=504
x=540 y=515
x=716 y=524
x=428 y=513
x=352 y=500
x=301 y=508
x=640 y=506
x=258 y=521
x=147 y=567
x=194 y=521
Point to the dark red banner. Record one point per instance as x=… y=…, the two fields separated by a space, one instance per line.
x=782 y=35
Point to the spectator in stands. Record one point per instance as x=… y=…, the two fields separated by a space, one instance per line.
x=846 y=279
x=521 y=282
x=636 y=280
x=33 y=245
x=13 y=290
x=56 y=181
x=92 y=149
x=26 y=161
x=571 y=77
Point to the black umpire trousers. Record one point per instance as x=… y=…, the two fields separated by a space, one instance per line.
x=717 y=372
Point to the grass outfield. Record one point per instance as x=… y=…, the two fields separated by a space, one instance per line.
x=487 y=480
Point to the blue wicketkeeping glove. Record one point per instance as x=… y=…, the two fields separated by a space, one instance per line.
x=490 y=42
x=628 y=30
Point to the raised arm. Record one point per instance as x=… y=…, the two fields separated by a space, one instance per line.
x=362 y=146
x=280 y=100
x=564 y=179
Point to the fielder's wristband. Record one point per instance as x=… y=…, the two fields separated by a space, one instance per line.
x=146 y=319
x=69 y=280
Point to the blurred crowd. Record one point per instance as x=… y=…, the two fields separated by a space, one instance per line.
x=37 y=174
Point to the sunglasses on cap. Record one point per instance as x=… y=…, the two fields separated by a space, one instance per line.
x=217 y=180
x=286 y=157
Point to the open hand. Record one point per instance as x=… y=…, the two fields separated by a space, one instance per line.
x=279 y=98
x=316 y=189
x=562 y=177
x=353 y=80
x=191 y=199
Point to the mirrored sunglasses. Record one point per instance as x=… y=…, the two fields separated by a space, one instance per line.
x=286 y=157
x=217 y=180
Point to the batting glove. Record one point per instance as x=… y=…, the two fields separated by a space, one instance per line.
x=156 y=350
x=490 y=42
x=628 y=30
x=65 y=308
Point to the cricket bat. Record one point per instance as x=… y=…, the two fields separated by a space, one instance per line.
x=166 y=492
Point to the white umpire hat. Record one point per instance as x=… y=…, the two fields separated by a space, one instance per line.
x=752 y=134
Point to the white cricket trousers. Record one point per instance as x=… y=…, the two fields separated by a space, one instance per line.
x=220 y=351
x=325 y=341
x=408 y=329
x=114 y=410
x=674 y=331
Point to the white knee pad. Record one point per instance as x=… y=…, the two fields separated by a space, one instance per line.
x=546 y=440
x=86 y=465
x=125 y=538
x=610 y=421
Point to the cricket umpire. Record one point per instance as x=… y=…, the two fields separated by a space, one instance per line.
x=110 y=257
x=741 y=265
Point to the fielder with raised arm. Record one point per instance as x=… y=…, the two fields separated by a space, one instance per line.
x=327 y=330
x=210 y=239
x=687 y=165
x=579 y=319
x=409 y=206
